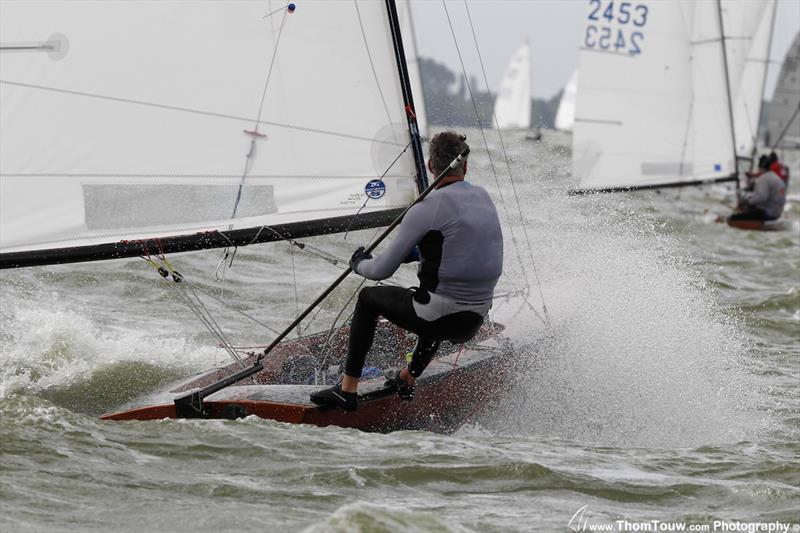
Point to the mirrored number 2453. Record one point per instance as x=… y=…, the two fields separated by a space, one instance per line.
x=625 y=13
x=601 y=37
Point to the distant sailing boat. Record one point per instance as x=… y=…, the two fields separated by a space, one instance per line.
x=178 y=126
x=669 y=92
x=565 y=116
x=783 y=127
x=512 y=106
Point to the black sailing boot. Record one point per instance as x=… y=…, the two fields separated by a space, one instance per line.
x=335 y=396
x=403 y=388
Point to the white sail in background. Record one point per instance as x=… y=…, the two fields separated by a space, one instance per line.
x=412 y=60
x=653 y=106
x=565 y=116
x=786 y=100
x=512 y=107
x=145 y=125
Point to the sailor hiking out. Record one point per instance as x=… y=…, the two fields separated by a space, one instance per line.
x=455 y=235
x=767 y=198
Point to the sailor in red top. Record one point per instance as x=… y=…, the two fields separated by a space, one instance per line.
x=779 y=168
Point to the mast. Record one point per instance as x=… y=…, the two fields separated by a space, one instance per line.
x=408 y=98
x=728 y=90
x=764 y=84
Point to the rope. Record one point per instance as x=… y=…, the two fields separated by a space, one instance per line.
x=505 y=153
x=491 y=161
x=193 y=302
x=254 y=135
x=331 y=332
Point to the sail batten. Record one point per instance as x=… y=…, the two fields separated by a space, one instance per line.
x=139 y=127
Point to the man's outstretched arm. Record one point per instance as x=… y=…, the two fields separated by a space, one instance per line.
x=413 y=228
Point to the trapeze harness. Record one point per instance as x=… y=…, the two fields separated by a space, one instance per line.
x=457 y=232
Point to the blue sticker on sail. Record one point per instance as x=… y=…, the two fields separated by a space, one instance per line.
x=717 y=167
x=375 y=189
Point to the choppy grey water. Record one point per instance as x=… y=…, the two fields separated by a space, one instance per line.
x=669 y=391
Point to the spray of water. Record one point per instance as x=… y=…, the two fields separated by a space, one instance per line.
x=58 y=350
x=639 y=353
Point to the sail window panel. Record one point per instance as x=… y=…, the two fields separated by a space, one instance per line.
x=171 y=96
x=118 y=206
x=73 y=212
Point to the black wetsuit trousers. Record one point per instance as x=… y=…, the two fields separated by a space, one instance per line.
x=395 y=304
x=749 y=214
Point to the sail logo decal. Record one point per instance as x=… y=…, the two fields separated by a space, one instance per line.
x=375 y=189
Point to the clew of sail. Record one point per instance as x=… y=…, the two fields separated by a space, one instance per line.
x=660 y=92
x=167 y=118
x=512 y=107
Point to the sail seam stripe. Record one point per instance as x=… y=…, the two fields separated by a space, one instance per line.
x=194 y=111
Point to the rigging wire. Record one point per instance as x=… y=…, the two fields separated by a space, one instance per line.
x=508 y=164
x=491 y=162
x=294 y=283
x=332 y=333
x=193 y=302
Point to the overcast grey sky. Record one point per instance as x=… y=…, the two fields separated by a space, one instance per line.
x=554 y=28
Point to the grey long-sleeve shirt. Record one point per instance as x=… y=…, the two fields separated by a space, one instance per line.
x=460 y=241
x=769 y=195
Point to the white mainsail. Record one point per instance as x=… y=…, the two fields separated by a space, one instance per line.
x=654 y=106
x=145 y=125
x=412 y=60
x=786 y=101
x=512 y=107
x=565 y=116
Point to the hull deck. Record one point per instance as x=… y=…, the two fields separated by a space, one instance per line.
x=458 y=384
x=454 y=387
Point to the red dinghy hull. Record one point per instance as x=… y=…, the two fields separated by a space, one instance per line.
x=757 y=225
x=456 y=386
